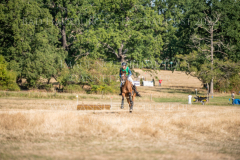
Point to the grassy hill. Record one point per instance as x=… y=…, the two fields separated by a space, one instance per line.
x=176 y=79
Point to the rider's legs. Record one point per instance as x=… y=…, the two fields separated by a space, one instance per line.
x=134 y=87
x=130 y=80
x=120 y=89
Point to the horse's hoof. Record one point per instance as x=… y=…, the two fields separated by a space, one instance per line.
x=130 y=111
x=122 y=107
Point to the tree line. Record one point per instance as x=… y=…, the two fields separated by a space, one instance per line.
x=203 y=36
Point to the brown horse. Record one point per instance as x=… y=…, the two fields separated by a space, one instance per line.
x=127 y=91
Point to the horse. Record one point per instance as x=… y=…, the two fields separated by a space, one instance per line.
x=127 y=91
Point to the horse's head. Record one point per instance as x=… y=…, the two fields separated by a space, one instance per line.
x=123 y=77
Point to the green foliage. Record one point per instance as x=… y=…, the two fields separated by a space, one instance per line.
x=228 y=85
x=49 y=87
x=7 y=78
x=225 y=72
x=37 y=37
x=97 y=74
x=102 y=88
x=122 y=30
x=74 y=88
x=141 y=82
x=63 y=76
x=28 y=40
x=173 y=13
x=226 y=30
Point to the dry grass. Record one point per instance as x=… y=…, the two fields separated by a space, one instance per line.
x=176 y=79
x=199 y=123
x=194 y=132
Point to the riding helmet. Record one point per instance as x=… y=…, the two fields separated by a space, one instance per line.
x=124 y=64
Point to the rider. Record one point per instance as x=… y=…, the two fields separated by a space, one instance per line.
x=129 y=78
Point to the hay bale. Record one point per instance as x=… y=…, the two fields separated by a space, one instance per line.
x=93 y=107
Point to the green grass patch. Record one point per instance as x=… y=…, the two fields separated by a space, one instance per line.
x=172 y=99
x=39 y=95
x=221 y=100
x=218 y=100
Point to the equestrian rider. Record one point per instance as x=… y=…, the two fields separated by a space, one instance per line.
x=129 y=78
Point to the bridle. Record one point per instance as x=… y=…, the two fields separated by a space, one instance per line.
x=123 y=78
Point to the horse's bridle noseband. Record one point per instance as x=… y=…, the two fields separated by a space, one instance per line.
x=122 y=79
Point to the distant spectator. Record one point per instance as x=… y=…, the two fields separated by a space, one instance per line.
x=160 y=82
x=233 y=97
x=205 y=86
x=189 y=99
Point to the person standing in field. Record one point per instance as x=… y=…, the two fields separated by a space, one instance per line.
x=189 y=99
x=160 y=82
x=233 y=97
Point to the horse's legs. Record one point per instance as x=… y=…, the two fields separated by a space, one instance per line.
x=128 y=102
x=133 y=97
x=131 y=102
x=122 y=101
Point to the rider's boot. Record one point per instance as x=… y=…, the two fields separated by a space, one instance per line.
x=120 y=91
x=135 y=90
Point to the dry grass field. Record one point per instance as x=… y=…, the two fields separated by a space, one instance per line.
x=52 y=128
x=171 y=79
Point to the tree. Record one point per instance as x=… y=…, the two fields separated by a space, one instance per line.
x=173 y=14
x=206 y=44
x=29 y=40
x=223 y=71
x=126 y=30
x=73 y=19
x=205 y=34
x=229 y=27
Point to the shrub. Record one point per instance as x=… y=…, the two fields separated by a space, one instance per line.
x=74 y=88
x=228 y=85
x=141 y=82
x=97 y=74
x=49 y=87
x=64 y=77
x=7 y=78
